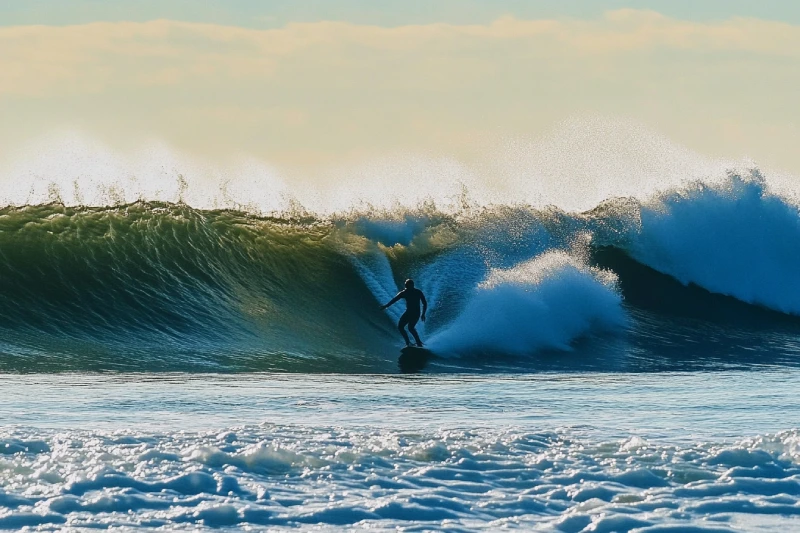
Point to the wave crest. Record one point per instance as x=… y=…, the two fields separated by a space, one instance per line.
x=735 y=238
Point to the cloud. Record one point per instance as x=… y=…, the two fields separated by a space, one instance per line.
x=90 y=57
x=334 y=87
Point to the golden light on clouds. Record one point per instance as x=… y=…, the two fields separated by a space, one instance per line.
x=312 y=92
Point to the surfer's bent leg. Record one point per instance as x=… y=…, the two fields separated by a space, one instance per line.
x=401 y=325
x=412 y=328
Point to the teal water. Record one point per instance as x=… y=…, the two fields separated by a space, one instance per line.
x=672 y=405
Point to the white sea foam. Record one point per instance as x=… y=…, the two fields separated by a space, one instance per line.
x=553 y=451
x=546 y=302
x=282 y=476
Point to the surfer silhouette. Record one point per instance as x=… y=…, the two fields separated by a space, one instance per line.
x=413 y=297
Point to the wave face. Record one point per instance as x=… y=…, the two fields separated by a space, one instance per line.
x=173 y=285
x=162 y=286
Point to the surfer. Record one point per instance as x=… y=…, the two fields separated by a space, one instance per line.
x=412 y=297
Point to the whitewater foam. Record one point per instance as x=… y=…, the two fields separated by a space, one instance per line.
x=286 y=477
x=554 y=451
x=546 y=302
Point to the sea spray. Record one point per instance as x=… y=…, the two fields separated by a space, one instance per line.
x=546 y=302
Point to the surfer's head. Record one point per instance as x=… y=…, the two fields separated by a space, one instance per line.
x=409 y=283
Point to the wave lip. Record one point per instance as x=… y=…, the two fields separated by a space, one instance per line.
x=546 y=302
x=734 y=238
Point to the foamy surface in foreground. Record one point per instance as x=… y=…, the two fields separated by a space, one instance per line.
x=701 y=451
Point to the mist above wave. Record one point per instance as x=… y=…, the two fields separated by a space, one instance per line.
x=574 y=167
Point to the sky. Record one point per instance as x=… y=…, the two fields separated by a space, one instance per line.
x=316 y=83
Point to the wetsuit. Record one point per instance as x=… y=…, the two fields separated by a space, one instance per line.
x=413 y=297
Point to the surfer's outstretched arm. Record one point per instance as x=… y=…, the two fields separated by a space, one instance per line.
x=393 y=300
x=424 y=305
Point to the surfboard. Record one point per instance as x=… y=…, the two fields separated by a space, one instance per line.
x=412 y=348
x=413 y=358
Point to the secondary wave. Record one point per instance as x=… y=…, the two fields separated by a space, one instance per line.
x=734 y=237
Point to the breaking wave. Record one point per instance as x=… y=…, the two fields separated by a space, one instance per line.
x=165 y=286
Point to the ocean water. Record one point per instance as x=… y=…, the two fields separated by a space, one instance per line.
x=632 y=366
x=553 y=451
